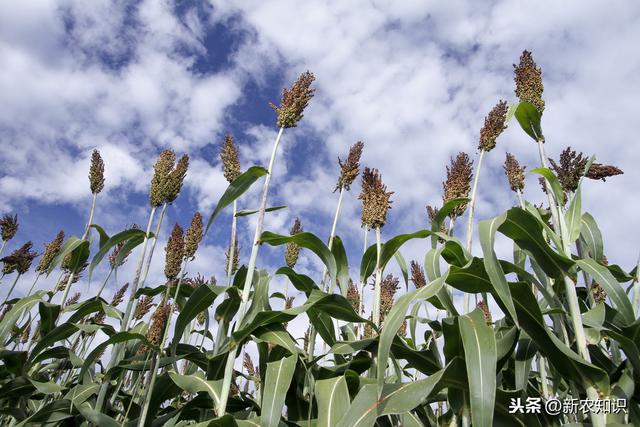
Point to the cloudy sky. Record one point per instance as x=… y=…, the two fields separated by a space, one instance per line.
x=413 y=80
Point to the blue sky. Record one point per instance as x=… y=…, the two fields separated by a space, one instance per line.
x=413 y=81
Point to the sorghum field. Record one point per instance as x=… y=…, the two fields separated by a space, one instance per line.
x=567 y=329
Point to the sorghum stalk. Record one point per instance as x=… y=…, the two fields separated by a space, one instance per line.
x=361 y=308
x=234 y=222
x=220 y=410
x=636 y=290
x=15 y=281
x=4 y=242
x=115 y=356
x=472 y=204
x=331 y=237
x=376 y=301
x=154 y=361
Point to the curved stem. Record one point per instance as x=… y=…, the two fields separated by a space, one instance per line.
x=93 y=208
x=222 y=404
x=222 y=330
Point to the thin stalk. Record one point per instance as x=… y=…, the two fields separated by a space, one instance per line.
x=154 y=362
x=221 y=330
x=331 y=236
x=4 y=243
x=115 y=355
x=636 y=290
x=91 y=212
x=33 y=285
x=452 y=223
x=472 y=202
x=221 y=408
x=361 y=305
x=15 y=281
x=553 y=206
x=520 y=199
x=376 y=301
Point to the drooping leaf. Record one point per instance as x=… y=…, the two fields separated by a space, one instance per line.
x=114 y=240
x=573 y=217
x=333 y=400
x=529 y=118
x=236 y=189
x=246 y=212
x=12 y=316
x=195 y=384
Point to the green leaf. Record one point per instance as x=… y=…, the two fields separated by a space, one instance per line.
x=552 y=179
x=56 y=334
x=480 y=353
x=48 y=316
x=201 y=298
x=569 y=364
x=308 y=241
x=195 y=384
x=389 y=248
x=470 y=279
x=402 y=264
x=616 y=293
x=236 y=189
x=277 y=380
x=333 y=400
x=529 y=118
x=114 y=339
x=523 y=228
x=82 y=392
x=592 y=236
x=111 y=243
x=10 y=319
x=247 y=212
x=573 y=218
x=276 y=335
x=67 y=247
x=394 y=320
x=487 y=231
x=46 y=387
x=104 y=237
x=342 y=265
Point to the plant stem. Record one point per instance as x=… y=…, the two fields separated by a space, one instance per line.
x=91 y=212
x=361 y=305
x=222 y=405
x=221 y=330
x=154 y=361
x=472 y=202
x=520 y=199
x=331 y=236
x=636 y=290
x=376 y=301
x=115 y=355
x=4 y=243
x=15 y=281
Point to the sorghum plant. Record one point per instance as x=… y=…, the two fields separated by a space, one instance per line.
x=556 y=323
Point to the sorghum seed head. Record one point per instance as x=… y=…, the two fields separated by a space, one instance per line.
x=230 y=159
x=50 y=252
x=118 y=297
x=193 y=237
x=176 y=179
x=485 y=311
x=294 y=101
x=368 y=329
x=292 y=250
x=20 y=260
x=96 y=173
x=376 y=200
x=288 y=303
x=388 y=288
x=528 y=78
x=174 y=253
x=570 y=169
x=403 y=329
x=195 y=282
x=142 y=307
x=599 y=294
x=158 y=325
x=8 y=226
x=417 y=275
x=515 y=173
x=353 y=296
x=113 y=256
x=600 y=171
x=248 y=365
x=493 y=126
x=201 y=318
x=350 y=169
x=73 y=299
x=458 y=182
x=161 y=170
x=235 y=260
x=25 y=333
